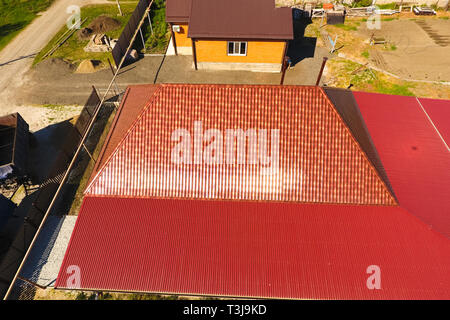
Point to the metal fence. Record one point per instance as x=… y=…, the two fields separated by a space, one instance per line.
x=19 y=246
x=121 y=46
x=11 y=267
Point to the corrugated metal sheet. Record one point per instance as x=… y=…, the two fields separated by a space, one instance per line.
x=133 y=102
x=320 y=161
x=178 y=10
x=255 y=249
x=416 y=160
x=237 y=19
x=345 y=103
x=439 y=113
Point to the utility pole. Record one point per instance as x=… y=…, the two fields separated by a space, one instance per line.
x=120 y=9
x=321 y=70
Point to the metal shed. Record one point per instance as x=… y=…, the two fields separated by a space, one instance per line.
x=13 y=146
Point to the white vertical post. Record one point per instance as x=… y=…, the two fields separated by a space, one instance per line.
x=142 y=38
x=150 y=22
x=120 y=9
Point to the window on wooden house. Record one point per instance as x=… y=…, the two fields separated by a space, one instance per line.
x=237 y=48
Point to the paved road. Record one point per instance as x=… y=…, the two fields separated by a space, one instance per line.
x=17 y=57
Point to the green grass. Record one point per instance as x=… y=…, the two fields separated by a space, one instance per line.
x=389 y=19
x=393 y=47
x=373 y=81
x=365 y=54
x=346 y=27
x=15 y=15
x=362 y=3
x=444 y=18
x=396 y=89
x=72 y=49
x=391 y=6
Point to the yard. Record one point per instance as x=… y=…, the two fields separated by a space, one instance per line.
x=409 y=62
x=73 y=52
x=73 y=49
x=15 y=15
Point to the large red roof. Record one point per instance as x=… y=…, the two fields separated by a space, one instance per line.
x=136 y=233
x=255 y=249
x=320 y=160
x=439 y=113
x=414 y=155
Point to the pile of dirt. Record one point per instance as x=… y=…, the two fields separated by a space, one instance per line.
x=85 y=33
x=103 y=24
x=86 y=66
x=54 y=66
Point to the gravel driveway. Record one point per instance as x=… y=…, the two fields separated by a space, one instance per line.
x=17 y=57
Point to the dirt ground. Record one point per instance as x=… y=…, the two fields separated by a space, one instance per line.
x=16 y=59
x=417 y=48
x=54 y=82
x=422 y=47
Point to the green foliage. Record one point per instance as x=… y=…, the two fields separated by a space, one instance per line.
x=362 y=3
x=159 y=4
x=15 y=15
x=157 y=42
x=365 y=54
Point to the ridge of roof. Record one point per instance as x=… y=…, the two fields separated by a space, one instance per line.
x=367 y=145
x=168 y=97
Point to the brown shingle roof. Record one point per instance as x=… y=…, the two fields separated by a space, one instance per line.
x=237 y=19
x=178 y=10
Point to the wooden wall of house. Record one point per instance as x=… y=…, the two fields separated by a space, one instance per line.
x=181 y=37
x=257 y=52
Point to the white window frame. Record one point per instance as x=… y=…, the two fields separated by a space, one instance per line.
x=238 y=44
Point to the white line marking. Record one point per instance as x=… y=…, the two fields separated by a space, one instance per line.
x=431 y=121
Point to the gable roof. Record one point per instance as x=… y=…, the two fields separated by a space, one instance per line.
x=320 y=160
x=237 y=19
x=255 y=249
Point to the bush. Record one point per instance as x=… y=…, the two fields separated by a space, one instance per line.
x=362 y=3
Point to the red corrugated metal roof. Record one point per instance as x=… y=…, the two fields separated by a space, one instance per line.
x=133 y=102
x=439 y=113
x=414 y=156
x=320 y=161
x=255 y=249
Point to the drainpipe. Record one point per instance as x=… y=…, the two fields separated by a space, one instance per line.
x=194 y=53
